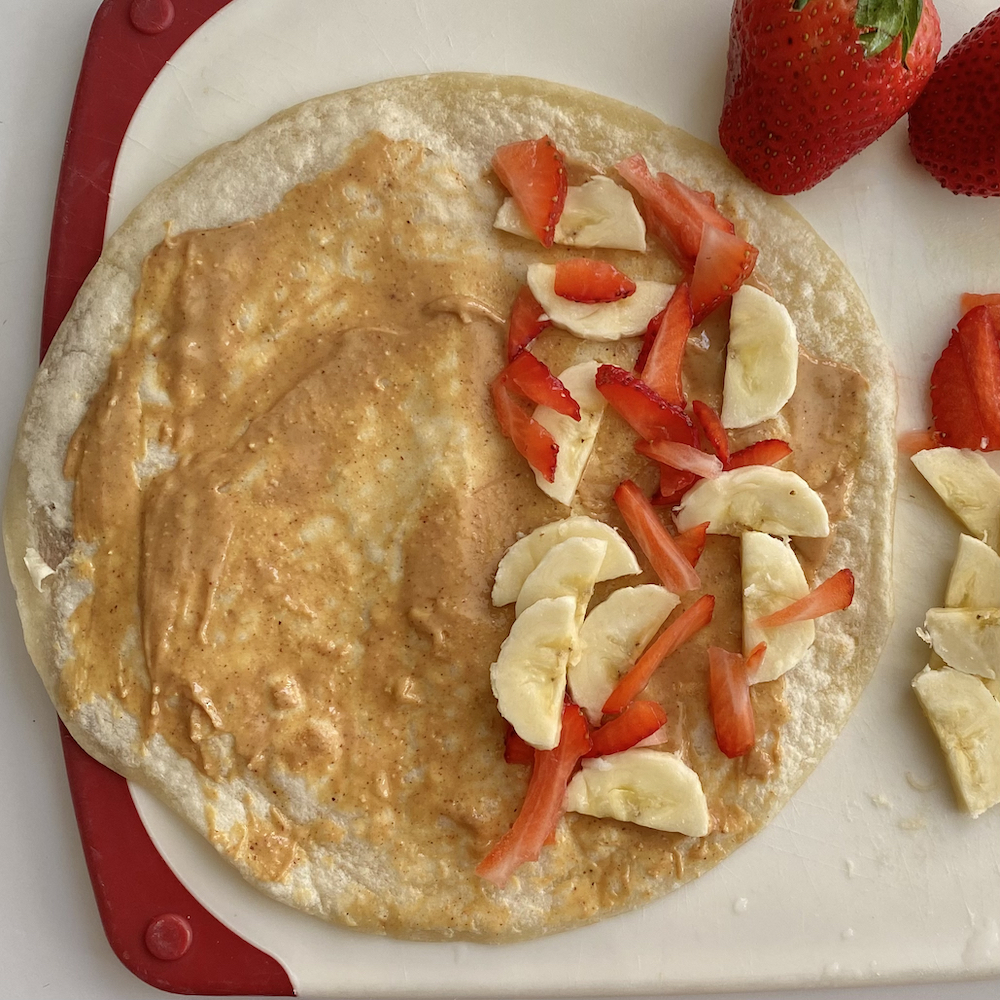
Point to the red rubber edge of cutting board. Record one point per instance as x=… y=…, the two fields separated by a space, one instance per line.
x=131 y=881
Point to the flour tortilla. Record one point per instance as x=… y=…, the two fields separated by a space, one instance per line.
x=596 y=867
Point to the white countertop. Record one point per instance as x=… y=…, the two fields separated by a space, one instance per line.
x=51 y=941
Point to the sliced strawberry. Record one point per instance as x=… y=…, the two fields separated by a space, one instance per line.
x=532 y=441
x=668 y=641
x=711 y=426
x=652 y=329
x=662 y=369
x=760 y=453
x=673 y=485
x=645 y=411
x=668 y=562
x=965 y=385
x=639 y=720
x=724 y=263
x=517 y=750
x=583 y=279
x=991 y=300
x=729 y=697
x=692 y=542
x=526 y=322
x=534 y=172
x=680 y=456
x=543 y=802
x=833 y=594
x=755 y=659
x=533 y=379
x=910 y=442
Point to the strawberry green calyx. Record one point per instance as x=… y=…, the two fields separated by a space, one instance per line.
x=880 y=22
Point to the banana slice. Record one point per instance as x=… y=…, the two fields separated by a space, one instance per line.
x=575 y=438
x=599 y=213
x=525 y=554
x=762 y=360
x=772 y=579
x=967 y=639
x=598 y=320
x=529 y=676
x=611 y=638
x=569 y=569
x=647 y=787
x=967 y=484
x=755 y=498
x=975 y=576
x=965 y=718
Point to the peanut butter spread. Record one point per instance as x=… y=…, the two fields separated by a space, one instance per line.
x=296 y=496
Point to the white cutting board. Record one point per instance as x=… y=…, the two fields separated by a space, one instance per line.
x=870 y=873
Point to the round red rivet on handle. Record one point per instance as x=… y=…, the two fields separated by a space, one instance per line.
x=151 y=16
x=168 y=936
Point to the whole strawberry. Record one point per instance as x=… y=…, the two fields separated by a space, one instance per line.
x=955 y=125
x=812 y=82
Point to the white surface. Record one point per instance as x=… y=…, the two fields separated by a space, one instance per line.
x=863 y=877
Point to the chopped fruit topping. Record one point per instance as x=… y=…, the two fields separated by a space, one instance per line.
x=645 y=411
x=680 y=456
x=517 y=750
x=833 y=594
x=971 y=299
x=543 y=802
x=639 y=720
x=766 y=452
x=583 y=279
x=532 y=441
x=534 y=172
x=647 y=340
x=667 y=560
x=692 y=542
x=661 y=370
x=754 y=659
x=533 y=379
x=711 y=426
x=911 y=442
x=729 y=697
x=673 y=485
x=724 y=263
x=668 y=641
x=526 y=322
x=965 y=385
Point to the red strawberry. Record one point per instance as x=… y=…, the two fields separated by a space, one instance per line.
x=663 y=363
x=639 y=720
x=711 y=426
x=724 y=263
x=760 y=453
x=534 y=172
x=833 y=594
x=532 y=441
x=583 y=279
x=955 y=125
x=526 y=322
x=812 y=82
x=532 y=379
x=645 y=411
x=729 y=698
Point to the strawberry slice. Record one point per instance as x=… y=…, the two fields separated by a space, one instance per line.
x=680 y=456
x=970 y=300
x=965 y=385
x=668 y=562
x=532 y=441
x=639 y=720
x=729 y=697
x=724 y=263
x=543 y=802
x=682 y=628
x=526 y=322
x=534 y=172
x=662 y=368
x=711 y=426
x=645 y=411
x=533 y=379
x=673 y=485
x=755 y=658
x=583 y=279
x=652 y=329
x=766 y=452
x=517 y=750
x=692 y=542
x=833 y=594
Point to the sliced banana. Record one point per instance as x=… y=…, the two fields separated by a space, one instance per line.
x=575 y=438
x=975 y=576
x=772 y=579
x=611 y=638
x=755 y=498
x=525 y=554
x=627 y=317
x=966 y=483
x=648 y=787
x=965 y=718
x=569 y=569
x=529 y=676
x=599 y=213
x=762 y=360
x=967 y=639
